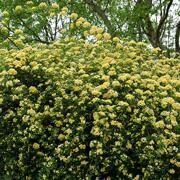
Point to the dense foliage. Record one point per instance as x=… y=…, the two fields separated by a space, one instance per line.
x=86 y=110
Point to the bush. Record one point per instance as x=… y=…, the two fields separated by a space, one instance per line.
x=73 y=110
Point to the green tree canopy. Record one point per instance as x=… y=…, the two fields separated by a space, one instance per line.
x=155 y=22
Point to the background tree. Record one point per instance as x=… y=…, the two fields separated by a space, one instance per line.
x=152 y=21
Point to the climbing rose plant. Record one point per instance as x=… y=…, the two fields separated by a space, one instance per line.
x=94 y=108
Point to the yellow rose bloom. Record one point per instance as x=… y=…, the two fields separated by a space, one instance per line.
x=119 y=46
x=61 y=137
x=18 y=9
x=116 y=39
x=99 y=30
x=86 y=24
x=58 y=123
x=141 y=103
x=55 y=6
x=171 y=171
x=176 y=106
x=42 y=5
x=63 y=13
x=33 y=90
x=107 y=36
x=1 y=100
x=78 y=23
x=12 y=72
x=36 y=146
x=73 y=16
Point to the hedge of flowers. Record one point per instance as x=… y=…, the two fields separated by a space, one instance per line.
x=79 y=110
x=89 y=109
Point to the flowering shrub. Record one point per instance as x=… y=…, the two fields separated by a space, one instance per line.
x=74 y=109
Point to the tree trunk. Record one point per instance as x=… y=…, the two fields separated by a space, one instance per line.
x=177 y=38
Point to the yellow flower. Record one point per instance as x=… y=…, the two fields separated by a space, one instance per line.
x=99 y=36
x=12 y=72
x=84 y=162
x=29 y=2
x=139 y=91
x=151 y=87
x=65 y=9
x=92 y=31
x=132 y=55
x=68 y=131
x=86 y=24
x=107 y=36
x=61 y=137
x=18 y=9
x=99 y=151
x=25 y=118
x=136 y=177
x=40 y=153
x=173 y=120
x=4 y=30
x=115 y=83
x=62 y=31
x=86 y=33
x=63 y=13
x=105 y=85
x=55 y=6
x=119 y=46
x=51 y=14
x=156 y=50
x=82 y=146
x=33 y=89
x=81 y=19
x=18 y=31
x=5 y=14
x=17 y=63
x=171 y=171
x=141 y=103
x=1 y=100
x=128 y=145
x=177 y=164
x=58 y=123
x=95 y=116
x=122 y=77
x=42 y=5
x=78 y=23
x=116 y=39
x=176 y=106
x=95 y=131
x=78 y=82
x=95 y=92
x=31 y=112
x=36 y=146
x=160 y=124
x=110 y=94
x=99 y=30
x=73 y=16
x=33 y=63
x=129 y=96
x=19 y=42
x=165 y=113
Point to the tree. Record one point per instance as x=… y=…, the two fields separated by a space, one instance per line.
x=140 y=20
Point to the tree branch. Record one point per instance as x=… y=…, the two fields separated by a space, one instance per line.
x=177 y=35
x=101 y=13
x=163 y=19
x=31 y=30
